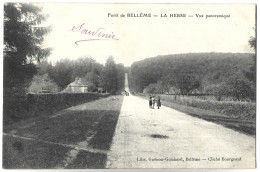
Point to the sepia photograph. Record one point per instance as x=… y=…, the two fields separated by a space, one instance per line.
x=129 y=85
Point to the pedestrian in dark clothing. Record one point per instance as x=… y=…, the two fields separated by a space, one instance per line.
x=158 y=102
x=150 y=102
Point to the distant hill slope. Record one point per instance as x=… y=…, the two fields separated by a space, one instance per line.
x=208 y=68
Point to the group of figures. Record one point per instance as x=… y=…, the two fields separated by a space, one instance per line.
x=153 y=100
x=126 y=93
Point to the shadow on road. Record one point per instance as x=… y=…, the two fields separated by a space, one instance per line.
x=86 y=129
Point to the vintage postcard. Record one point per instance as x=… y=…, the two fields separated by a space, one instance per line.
x=129 y=86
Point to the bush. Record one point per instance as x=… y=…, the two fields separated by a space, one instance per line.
x=236 y=86
x=243 y=110
x=42 y=82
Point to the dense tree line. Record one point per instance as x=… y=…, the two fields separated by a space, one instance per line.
x=109 y=76
x=221 y=74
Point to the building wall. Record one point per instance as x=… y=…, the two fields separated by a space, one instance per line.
x=79 y=89
x=84 y=89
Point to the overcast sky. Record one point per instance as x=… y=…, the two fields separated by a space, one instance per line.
x=139 y=38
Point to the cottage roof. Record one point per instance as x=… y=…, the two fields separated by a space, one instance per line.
x=79 y=82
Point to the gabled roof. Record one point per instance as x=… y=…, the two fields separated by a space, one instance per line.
x=79 y=82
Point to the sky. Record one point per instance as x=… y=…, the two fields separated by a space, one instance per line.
x=137 y=38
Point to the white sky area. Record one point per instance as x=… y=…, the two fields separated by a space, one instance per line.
x=140 y=38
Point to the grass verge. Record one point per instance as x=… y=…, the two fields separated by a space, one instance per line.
x=88 y=160
x=91 y=124
x=20 y=153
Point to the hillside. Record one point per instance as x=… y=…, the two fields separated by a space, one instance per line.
x=194 y=71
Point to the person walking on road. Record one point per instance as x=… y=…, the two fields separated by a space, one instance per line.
x=158 y=102
x=150 y=102
x=153 y=101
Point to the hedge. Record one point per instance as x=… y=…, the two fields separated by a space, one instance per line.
x=236 y=109
x=23 y=107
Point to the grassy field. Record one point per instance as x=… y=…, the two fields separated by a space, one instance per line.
x=239 y=123
x=77 y=137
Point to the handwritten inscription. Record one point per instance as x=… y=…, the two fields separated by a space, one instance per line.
x=94 y=35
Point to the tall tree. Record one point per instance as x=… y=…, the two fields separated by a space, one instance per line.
x=186 y=83
x=22 y=45
x=109 y=76
x=44 y=67
x=239 y=87
x=22 y=42
x=251 y=73
x=82 y=66
x=120 y=76
x=62 y=72
x=252 y=40
x=93 y=78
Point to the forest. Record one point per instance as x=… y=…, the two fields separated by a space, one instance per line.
x=218 y=74
x=55 y=78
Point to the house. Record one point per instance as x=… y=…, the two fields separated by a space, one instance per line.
x=78 y=86
x=100 y=90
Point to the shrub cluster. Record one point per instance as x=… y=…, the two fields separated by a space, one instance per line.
x=235 y=109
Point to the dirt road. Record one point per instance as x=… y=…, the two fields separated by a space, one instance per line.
x=166 y=138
